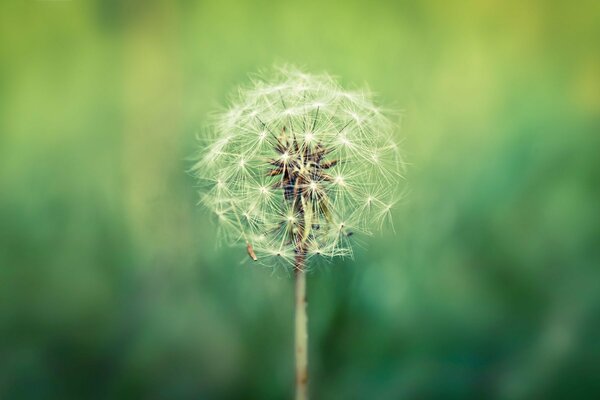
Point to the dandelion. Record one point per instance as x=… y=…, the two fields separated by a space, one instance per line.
x=293 y=170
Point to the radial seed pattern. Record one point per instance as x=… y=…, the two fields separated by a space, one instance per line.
x=297 y=166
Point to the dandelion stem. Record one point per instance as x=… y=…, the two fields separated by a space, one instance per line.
x=301 y=331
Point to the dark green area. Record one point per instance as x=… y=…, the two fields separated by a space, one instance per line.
x=111 y=282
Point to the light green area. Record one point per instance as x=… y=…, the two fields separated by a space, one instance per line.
x=111 y=284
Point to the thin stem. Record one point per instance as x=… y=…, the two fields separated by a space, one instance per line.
x=301 y=331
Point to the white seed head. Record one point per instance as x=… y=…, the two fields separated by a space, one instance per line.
x=297 y=165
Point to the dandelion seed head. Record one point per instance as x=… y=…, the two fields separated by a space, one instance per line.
x=298 y=165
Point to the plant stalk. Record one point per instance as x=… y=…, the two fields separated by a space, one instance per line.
x=301 y=331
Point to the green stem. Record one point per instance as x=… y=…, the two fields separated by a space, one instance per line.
x=301 y=331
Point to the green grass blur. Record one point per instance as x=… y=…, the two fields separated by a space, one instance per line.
x=111 y=282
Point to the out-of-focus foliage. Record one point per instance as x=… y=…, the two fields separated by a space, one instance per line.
x=110 y=282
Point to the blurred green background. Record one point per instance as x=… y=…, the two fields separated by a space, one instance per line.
x=111 y=282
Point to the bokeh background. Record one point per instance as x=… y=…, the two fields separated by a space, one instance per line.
x=112 y=285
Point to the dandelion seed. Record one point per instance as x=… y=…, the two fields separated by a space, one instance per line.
x=344 y=141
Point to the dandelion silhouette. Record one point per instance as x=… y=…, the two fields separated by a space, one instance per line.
x=294 y=169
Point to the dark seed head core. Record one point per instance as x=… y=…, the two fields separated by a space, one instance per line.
x=304 y=180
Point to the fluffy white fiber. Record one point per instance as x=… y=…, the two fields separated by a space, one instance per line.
x=299 y=166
